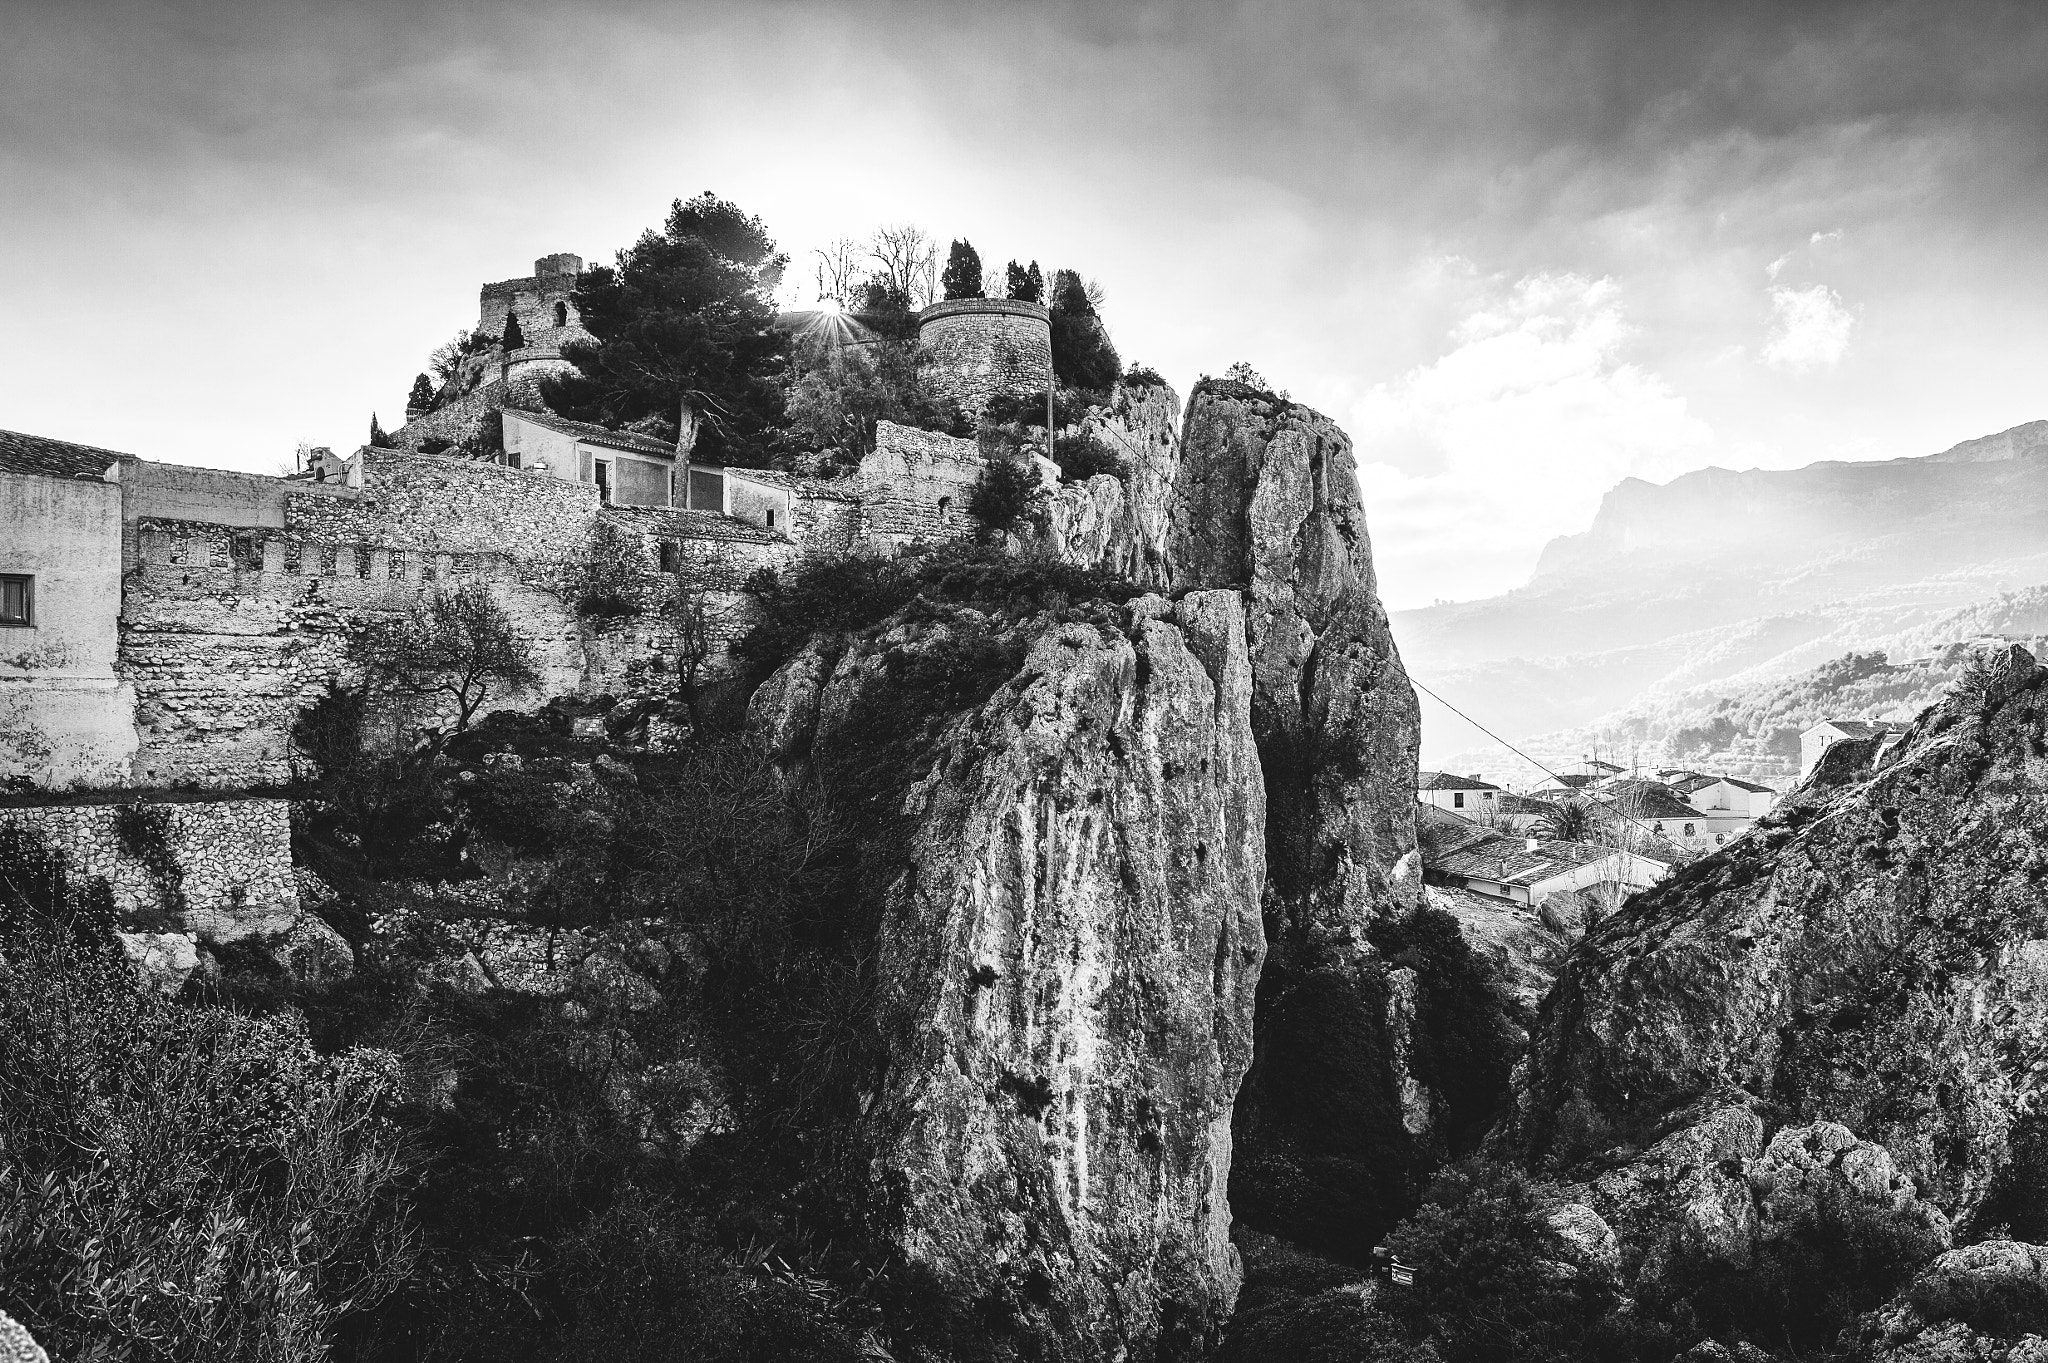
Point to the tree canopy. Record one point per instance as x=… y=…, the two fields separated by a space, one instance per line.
x=685 y=316
x=963 y=272
x=1026 y=286
x=1082 y=355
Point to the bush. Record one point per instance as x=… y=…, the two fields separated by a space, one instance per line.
x=827 y=594
x=1003 y=496
x=1085 y=455
x=1463 y=1045
x=1487 y=1283
x=177 y=1183
x=1142 y=376
x=610 y=580
x=1011 y=409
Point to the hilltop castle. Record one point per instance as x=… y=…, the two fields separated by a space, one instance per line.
x=162 y=626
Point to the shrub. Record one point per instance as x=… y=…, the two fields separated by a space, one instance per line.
x=1010 y=409
x=1003 y=496
x=177 y=1183
x=827 y=594
x=1142 y=376
x=1085 y=455
x=143 y=833
x=1487 y=1282
x=1463 y=1049
x=838 y=393
x=609 y=581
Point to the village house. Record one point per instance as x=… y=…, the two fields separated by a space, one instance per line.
x=1529 y=870
x=1814 y=743
x=1465 y=795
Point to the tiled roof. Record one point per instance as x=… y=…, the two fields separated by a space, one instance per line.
x=833 y=489
x=1510 y=860
x=696 y=525
x=1686 y=785
x=1749 y=785
x=1650 y=800
x=1443 y=780
x=23 y=453
x=1576 y=780
x=593 y=434
x=1858 y=728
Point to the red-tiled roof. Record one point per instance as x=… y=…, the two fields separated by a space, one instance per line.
x=24 y=453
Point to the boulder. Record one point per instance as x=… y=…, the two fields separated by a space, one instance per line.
x=17 y=1345
x=163 y=960
x=1589 y=1242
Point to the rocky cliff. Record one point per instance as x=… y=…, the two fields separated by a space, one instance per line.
x=1068 y=954
x=1265 y=498
x=1875 y=954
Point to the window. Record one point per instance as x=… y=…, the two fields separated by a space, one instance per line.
x=1458 y=800
x=1720 y=838
x=245 y=553
x=604 y=480
x=1657 y=828
x=561 y=314
x=771 y=518
x=945 y=509
x=17 y=599
x=671 y=557
x=1688 y=831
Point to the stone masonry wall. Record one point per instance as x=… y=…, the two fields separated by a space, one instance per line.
x=227 y=875
x=915 y=486
x=458 y=505
x=977 y=348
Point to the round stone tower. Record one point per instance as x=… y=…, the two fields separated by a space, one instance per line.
x=977 y=348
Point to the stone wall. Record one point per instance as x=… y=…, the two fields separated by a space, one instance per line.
x=977 y=348
x=426 y=501
x=222 y=870
x=64 y=713
x=826 y=525
x=458 y=420
x=915 y=486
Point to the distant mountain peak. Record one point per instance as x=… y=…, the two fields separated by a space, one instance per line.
x=2021 y=442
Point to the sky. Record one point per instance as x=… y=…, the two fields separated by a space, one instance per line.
x=1520 y=249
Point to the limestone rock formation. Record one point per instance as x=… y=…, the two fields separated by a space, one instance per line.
x=1987 y=1301
x=1120 y=524
x=1265 y=498
x=1068 y=960
x=1875 y=954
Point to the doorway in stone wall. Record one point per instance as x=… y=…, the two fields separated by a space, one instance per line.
x=604 y=480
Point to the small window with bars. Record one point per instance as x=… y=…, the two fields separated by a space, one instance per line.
x=17 y=599
x=294 y=556
x=245 y=552
x=362 y=561
x=394 y=565
x=328 y=558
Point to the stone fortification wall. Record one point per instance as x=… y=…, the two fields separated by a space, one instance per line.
x=827 y=525
x=221 y=869
x=228 y=634
x=915 y=486
x=426 y=501
x=979 y=348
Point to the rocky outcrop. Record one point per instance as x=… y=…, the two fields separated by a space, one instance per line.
x=1265 y=498
x=1068 y=958
x=17 y=1345
x=1120 y=524
x=1986 y=1302
x=1875 y=954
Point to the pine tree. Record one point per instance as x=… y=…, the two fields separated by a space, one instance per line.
x=515 y=339
x=421 y=399
x=378 y=440
x=962 y=278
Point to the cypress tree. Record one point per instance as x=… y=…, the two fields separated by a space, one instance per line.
x=1026 y=286
x=378 y=440
x=962 y=278
x=515 y=339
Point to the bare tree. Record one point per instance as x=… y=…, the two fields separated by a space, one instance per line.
x=457 y=644
x=693 y=649
x=907 y=261
x=840 y=271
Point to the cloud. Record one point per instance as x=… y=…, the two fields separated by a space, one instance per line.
x=1809 y=329
x=1473 y=461
x=1824 y=238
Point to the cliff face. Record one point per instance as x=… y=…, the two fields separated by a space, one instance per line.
x=1265 y=497
x=1874 y=954
x=1120 y=524
x=1068 y=955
